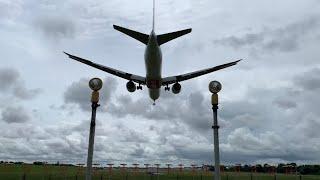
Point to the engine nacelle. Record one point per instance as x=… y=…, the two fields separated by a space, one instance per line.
x=176 y=88
x=131 y=87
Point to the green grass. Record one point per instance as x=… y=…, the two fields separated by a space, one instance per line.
x=16 y=172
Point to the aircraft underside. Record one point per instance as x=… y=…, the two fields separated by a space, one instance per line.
x=153 y=64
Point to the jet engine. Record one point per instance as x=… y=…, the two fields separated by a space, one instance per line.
x=176 y=88
x=131 y=87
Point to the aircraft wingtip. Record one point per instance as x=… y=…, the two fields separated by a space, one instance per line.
x=66 y=53
x=239 y=60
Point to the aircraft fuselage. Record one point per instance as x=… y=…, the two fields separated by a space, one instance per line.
x=153 y=63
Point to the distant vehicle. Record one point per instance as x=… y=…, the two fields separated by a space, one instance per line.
x=153 y=62
x=154 y=173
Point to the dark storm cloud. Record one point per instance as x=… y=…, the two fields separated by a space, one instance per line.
x=12 y=82
x=56 y=27
x=284 y=39
x=15 y=115
x=79 y=92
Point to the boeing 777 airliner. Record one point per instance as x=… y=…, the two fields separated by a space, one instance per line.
x=153 y=61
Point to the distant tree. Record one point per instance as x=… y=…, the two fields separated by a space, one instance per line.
x=246 y=168
x=317 y=169
x=280 y=168
x=259 y=168
x=19 y=163
x=211 y=168
x=292 y=164
x=305 y=169
x=38 y=163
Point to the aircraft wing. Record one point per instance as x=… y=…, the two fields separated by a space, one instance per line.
x=183 y=77
x=131 y=77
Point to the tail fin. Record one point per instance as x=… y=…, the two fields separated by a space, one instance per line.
x=153 y=17
x=163 y=38
x=144 y=38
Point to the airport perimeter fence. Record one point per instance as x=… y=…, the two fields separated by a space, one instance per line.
x=225 y=176
x=50 y=172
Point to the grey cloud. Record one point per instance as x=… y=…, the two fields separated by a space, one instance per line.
x=133 y=136
x=15 y=115
x=56 y=27
x=244 y=141
x=12 y=82
x=194 y=153
x=32 y=142
x=138 y=152
x=25 y=130
x=271 y=125
x=79 y=92
x=246 y=145
x=22 y=92
x=8 y=78
x=285 y=103
x=191 y=109
x=284 y=39
x=252 y=127
x=10 y=9
x=309 y=81
x=310 y=126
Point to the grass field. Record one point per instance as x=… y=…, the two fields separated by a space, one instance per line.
x=18 y=172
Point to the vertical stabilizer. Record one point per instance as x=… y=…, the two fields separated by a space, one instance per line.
x=153 y=15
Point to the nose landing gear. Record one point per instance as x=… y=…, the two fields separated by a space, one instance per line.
x=167 y=88
x=139 y=87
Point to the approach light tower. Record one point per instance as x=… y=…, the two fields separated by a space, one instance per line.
x=214 y=88
x=95 y=84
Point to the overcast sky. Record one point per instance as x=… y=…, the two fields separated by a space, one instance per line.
x=269 y=105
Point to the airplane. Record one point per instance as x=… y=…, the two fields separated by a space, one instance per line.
x=153 y=63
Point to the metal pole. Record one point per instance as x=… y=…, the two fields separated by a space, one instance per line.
x=216 y=137
x=95 y=84
x=91 y=140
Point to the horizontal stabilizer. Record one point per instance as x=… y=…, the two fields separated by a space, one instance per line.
x=134 y=34
x=163 y=38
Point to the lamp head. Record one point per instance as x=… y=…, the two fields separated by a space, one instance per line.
x=215 y=86
x=95 y=84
